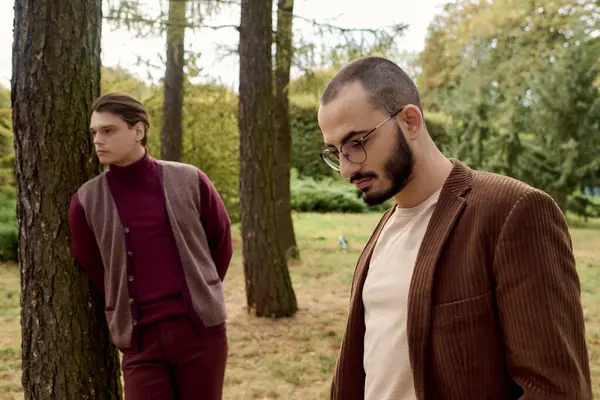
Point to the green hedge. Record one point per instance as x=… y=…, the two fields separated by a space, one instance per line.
x=328 y=195
x=583 y=206
x=307 y=142
x=9 y=238
x=307 y=139
x=437 y=124
x=210 y=137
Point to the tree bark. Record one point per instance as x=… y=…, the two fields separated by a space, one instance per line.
x=283 y=136
x=268 y=285
x=560 y=196
x=56 y=76
x=172 y=123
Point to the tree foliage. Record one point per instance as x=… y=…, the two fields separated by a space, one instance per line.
x=518 y=81
x=566 y=123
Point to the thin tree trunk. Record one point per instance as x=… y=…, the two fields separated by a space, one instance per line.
x=172 y=124
x=560 y=196
x=268 y=285
x=283 y=136
x=56 y=75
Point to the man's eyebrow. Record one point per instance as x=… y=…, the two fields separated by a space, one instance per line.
x=103 y=127
x=347 y=136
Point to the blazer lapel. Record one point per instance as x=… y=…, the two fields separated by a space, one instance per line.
x=450 y=205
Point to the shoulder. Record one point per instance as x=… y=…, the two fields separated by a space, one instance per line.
x=498 y=198
x=188 y=170
x=179 y=168
x=89 y=188
x=181 y=177
x=84 y=197
x=500 y=191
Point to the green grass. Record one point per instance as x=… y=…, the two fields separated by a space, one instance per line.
x=10 y=334
x=293 y=358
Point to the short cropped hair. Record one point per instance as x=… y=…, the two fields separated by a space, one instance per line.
x=126 y=107
x=386 y=84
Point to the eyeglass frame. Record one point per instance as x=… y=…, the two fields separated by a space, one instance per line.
x=359 y=141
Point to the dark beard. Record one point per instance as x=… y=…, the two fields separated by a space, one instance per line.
x=398 y=169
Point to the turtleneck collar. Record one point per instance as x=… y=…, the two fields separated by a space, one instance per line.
x=135 y=171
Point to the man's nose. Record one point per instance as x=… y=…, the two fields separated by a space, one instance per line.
x=347 y=168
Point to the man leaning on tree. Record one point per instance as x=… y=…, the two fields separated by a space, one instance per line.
x=155 y=238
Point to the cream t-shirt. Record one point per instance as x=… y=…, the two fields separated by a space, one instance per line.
x=385 y=298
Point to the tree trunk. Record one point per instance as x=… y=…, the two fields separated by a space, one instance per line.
x=56 y=76
x=560 y=196
x=268 y=286
x=172 y=124
x=283 y=136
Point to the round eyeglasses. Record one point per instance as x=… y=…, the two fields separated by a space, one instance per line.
x=353 y=150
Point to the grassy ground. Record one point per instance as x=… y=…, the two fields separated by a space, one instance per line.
x=293 y=358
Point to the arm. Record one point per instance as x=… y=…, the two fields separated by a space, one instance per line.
x=539 y=306
x=217 y=224
x=83 y=244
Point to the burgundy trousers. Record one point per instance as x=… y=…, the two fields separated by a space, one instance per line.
x=175 y=362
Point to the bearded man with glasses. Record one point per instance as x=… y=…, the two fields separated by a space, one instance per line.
x=467 y=288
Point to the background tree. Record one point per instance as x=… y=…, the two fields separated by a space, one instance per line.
x=565 y=148
x=56 y=75
x=497 y=79
x=172 y=130
x=179 y=16
x=283 y=135
x=268 y=285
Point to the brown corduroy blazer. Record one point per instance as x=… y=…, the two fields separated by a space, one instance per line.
x=494 y=308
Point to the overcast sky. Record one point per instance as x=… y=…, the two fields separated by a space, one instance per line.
x=119 y=47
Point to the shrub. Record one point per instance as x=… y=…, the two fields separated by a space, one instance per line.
x=328 y=195
x=307 y=139
x=437 y=125
x=583 y=206
x=9 y=238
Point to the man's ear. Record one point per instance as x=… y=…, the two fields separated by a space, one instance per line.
x=411 y=121
x=139 y=131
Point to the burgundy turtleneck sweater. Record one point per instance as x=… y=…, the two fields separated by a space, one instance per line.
x=140 y=200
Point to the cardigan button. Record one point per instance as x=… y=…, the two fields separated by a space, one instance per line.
x=130 y=278
x=134 y=322
x=126 y=230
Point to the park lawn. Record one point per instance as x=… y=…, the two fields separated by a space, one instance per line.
x=293 y=358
